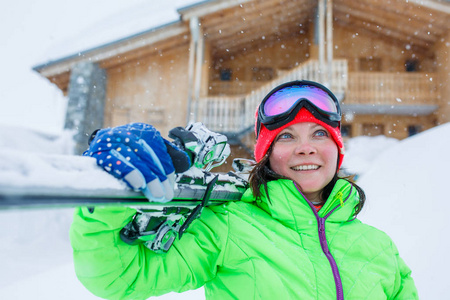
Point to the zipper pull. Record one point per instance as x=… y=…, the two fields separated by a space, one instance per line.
x=322 y=237
x=339 y=196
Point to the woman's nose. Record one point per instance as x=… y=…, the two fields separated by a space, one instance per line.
x=305 y=148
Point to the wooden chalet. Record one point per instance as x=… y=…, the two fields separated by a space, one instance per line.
x=387 y=61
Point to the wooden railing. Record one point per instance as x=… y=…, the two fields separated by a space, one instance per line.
x=231 y=114
x=306 y=71
x=223 y=114
x=233 y=88
x=391 y=88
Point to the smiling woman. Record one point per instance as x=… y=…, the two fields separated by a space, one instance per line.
x=311 y=250
x=299 y=138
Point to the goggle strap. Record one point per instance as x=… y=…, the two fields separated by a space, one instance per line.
x=291 y=116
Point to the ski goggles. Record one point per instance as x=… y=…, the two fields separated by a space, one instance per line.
x=283 y=103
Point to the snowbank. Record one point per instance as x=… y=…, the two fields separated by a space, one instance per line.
x=360 y=152
x=407 y=197
x=28 y=140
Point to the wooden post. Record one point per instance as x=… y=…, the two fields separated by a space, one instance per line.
x=198 y=71
x=193 y=25
x=329 y=5
x=321 y=26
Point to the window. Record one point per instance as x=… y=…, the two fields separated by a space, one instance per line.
x=346 y=130
x=412 y=65
x=225 y=74
x=370 y=64
x=414 y=129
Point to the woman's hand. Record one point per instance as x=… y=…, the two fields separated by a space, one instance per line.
x=137 y=154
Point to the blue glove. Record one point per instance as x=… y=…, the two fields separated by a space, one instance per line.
x=137 y=154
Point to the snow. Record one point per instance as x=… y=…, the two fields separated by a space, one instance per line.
x=405 y=182
x=136 y=19
x=407 y=194
x=33 y=33
x=358 y=158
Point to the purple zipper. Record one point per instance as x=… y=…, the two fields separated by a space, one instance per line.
x=324 y=245
x=334 y=268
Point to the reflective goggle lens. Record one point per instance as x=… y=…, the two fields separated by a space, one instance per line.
x=285 y=99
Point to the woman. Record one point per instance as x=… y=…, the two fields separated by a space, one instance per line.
x=293 y=235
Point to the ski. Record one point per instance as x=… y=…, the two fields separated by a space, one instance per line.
x=189 y=191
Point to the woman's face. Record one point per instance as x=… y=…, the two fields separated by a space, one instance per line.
x=307 y=154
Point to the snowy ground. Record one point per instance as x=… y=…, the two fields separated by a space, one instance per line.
x=405 y=182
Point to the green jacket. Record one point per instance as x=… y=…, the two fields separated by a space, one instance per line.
x=267 y=249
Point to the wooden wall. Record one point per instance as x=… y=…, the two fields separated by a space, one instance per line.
x=151 y=89
x=285 y=54
x=394 y=126
x=361 y=50
x=442 y=51
x=356 y=46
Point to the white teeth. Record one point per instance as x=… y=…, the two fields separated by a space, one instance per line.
x=305 y=167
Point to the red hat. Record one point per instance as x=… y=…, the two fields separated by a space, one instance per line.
x=267 y=136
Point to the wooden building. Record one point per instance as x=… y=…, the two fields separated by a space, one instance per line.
x=387 y=61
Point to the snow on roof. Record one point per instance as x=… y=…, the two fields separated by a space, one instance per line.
x=137 y=20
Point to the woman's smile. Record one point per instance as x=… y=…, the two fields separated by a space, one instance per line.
x=305 y=168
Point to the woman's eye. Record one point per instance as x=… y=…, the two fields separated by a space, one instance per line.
x=321 y=133
x=284 y=136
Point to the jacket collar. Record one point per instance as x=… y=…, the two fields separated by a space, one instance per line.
x=286 y=203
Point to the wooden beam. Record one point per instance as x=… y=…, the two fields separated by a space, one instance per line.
x=243 y=46
x=360 y=22
x=194 y=29
x=386 y=20
x=321 y=28
x=445 y=8
x=61 y=81
x=265 y=25
x=256 y=26
x=423 y=49
x=255 y=32
x=329 y=32
x=203 y=9
x=252 y=41
x=261 y=11
x=400 y=10
x=235 y=14
x=198 y=70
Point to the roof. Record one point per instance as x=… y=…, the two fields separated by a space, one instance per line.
x=233 y=26
x=244 y=24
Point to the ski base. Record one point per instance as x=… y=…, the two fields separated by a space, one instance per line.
x=189 y=192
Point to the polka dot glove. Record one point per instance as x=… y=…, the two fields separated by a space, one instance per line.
x=137 y=154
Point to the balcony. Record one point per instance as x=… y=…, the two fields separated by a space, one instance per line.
x=411 y=94
x=236 y=111
x=391 y=93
